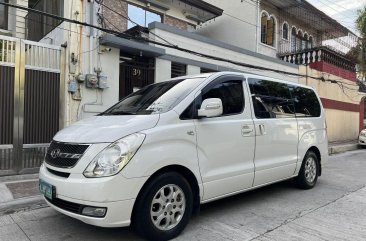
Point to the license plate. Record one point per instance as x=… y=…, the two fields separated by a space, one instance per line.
x=46 y=189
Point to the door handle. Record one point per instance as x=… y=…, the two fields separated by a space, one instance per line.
x=262 y=129
x=246 y=130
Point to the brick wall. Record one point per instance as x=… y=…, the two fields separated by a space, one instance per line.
x=171 y=21
x=117 y=22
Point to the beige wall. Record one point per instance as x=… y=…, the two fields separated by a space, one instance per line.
x=342 y=125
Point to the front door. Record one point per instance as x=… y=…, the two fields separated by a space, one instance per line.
x=226 y=143
x=135 y=73
x=276 y=131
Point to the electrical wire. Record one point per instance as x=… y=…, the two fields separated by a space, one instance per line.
x=175 y=47
x=338 y=12
x=241 y=20
x=47 y=24
x=129 y=19
x=65 y=19
x=88 y=51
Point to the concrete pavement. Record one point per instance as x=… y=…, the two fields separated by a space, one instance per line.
x=343 y=146
x=334 y=210
x=19 y=193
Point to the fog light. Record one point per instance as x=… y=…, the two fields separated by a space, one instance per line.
x=94 y=212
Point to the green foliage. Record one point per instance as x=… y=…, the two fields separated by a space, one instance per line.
x=361 y=26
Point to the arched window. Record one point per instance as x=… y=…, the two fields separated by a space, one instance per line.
x=311 y=44
x=285 y=31
x=305 y=42
x=268 y=28
x=293 y=39
x=299 y=40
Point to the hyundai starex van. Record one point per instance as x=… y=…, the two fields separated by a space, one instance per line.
x=150 y=160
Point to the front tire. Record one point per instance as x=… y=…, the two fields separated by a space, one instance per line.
x=309 y=172
x=163 y=208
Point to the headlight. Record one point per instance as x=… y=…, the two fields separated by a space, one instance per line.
x=115 y=157
x=363 y=133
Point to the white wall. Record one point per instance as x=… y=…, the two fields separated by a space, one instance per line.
x=192 y=70
x=162 y=70
x=213 y=50
x=237 y=25
x=89 y=56
x=95 y=101
x=267 y=50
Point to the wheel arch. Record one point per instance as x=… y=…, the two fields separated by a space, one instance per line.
x=187 y=174
x=318 y=155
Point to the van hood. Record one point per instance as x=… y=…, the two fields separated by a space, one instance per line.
x=102 y=129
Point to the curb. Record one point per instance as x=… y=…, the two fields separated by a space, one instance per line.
x=28 y=203
x=342 y=148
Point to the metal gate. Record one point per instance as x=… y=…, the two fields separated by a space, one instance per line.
x=30 y=102
x=135 y=74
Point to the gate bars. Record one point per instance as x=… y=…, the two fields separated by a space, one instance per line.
x=31 y=102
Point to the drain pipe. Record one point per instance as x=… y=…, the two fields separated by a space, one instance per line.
x=258 y=26
x=91 y=37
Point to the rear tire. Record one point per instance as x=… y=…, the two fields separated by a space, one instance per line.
x=309 y=172
x=163 y=207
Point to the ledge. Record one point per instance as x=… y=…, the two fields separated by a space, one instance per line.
x=131 y=47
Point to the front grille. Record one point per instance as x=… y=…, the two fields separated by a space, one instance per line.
x=64 y=155
x=57 y=173
x=65 y=205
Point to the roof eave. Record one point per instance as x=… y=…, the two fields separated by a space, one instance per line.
x=205 y=6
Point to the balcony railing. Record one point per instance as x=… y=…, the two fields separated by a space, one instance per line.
x=39 y=25
x=319 y=54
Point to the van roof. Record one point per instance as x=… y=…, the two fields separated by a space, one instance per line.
x=247 y=75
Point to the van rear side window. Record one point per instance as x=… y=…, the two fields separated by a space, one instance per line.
x=271 y=99
x=306 y=102
x=279 y=100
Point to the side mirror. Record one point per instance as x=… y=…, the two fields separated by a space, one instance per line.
x=211 y=108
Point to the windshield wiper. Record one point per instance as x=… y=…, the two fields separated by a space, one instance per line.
x=120 y=113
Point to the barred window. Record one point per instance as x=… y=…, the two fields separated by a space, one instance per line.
x=285 y=31
x=268 y=30
x=3 y=15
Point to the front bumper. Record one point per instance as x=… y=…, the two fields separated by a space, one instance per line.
x=362 y=140
x=118 y=213
x=116 y=193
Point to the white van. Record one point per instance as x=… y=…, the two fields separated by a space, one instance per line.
x=155 y=156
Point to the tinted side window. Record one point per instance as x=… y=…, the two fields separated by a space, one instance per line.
x=231 y=95
x=306 y=102
x=271 y=99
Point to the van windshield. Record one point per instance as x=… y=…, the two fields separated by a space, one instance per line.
x=156 y=98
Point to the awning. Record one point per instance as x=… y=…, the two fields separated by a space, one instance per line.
x=131 y=47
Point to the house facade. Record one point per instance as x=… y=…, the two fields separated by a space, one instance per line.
x=125 y=65
x=307 y=37
x=101 y=68
x=285 y=35
x=89 y=70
